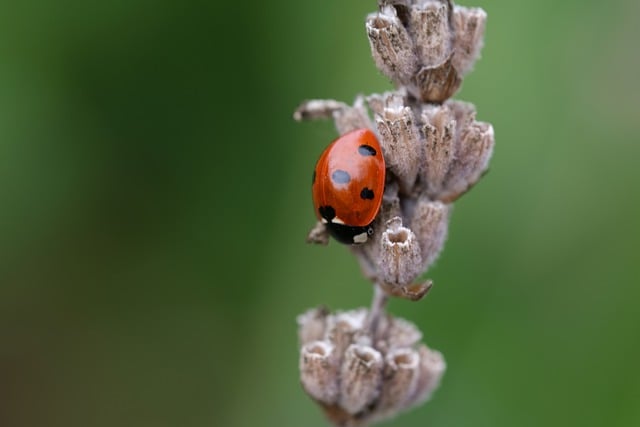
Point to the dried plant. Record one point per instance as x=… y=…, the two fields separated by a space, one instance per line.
x=362 y=366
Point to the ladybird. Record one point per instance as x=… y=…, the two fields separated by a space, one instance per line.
x=347 y=186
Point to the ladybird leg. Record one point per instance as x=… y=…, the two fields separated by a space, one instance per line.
x=318 y=234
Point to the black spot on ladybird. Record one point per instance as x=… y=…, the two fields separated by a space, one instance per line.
x=366 y=150
x=327 y=212
x=340 y=177
x=366 y=194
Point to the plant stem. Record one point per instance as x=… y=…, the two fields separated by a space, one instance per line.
x=378 y=304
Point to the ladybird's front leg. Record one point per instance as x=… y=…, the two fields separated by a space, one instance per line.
x=318 y=234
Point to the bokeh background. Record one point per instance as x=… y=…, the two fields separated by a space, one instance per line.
x=155 y=197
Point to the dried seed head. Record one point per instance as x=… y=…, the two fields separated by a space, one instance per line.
x=426 y=46
x=345 y=117
x=364 y=366
x=357 y=382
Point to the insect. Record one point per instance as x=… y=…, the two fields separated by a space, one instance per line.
x=347 y=187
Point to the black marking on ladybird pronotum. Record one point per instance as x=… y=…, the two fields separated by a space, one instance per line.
x=340 y=177
x=366 y=194
x=366 y=150
x=350 y=235
x=327 y=212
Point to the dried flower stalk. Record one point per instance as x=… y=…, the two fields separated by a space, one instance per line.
x=362 y=366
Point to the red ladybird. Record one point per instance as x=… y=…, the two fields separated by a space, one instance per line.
x=347 y=187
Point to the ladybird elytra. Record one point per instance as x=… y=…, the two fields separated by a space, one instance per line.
x=347 y=186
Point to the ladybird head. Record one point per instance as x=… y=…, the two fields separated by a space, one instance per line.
x=349 y=235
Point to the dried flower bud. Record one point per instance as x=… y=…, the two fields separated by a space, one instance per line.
x=360 y=378
x=469 y=24
x=439 y=153
x=400 y=259
x=352 y=118
x=369 y=253
x=314 y=109
x=345 y=117
x=401 y=375
x=457 y=150
x=432 y=367
x=429 y=24
x=391 y=46
x=318 y=372
x=426 y=46
x=400 y=141
x=401 y=334
x=430 y=222
x=474 y=150
x=315 y=326
x=437 y=83
x=359 y=382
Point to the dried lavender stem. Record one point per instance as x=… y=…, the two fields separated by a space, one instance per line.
x=363 y=366
x=378 y=304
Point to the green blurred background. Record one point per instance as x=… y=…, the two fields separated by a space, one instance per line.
x=154 y=200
